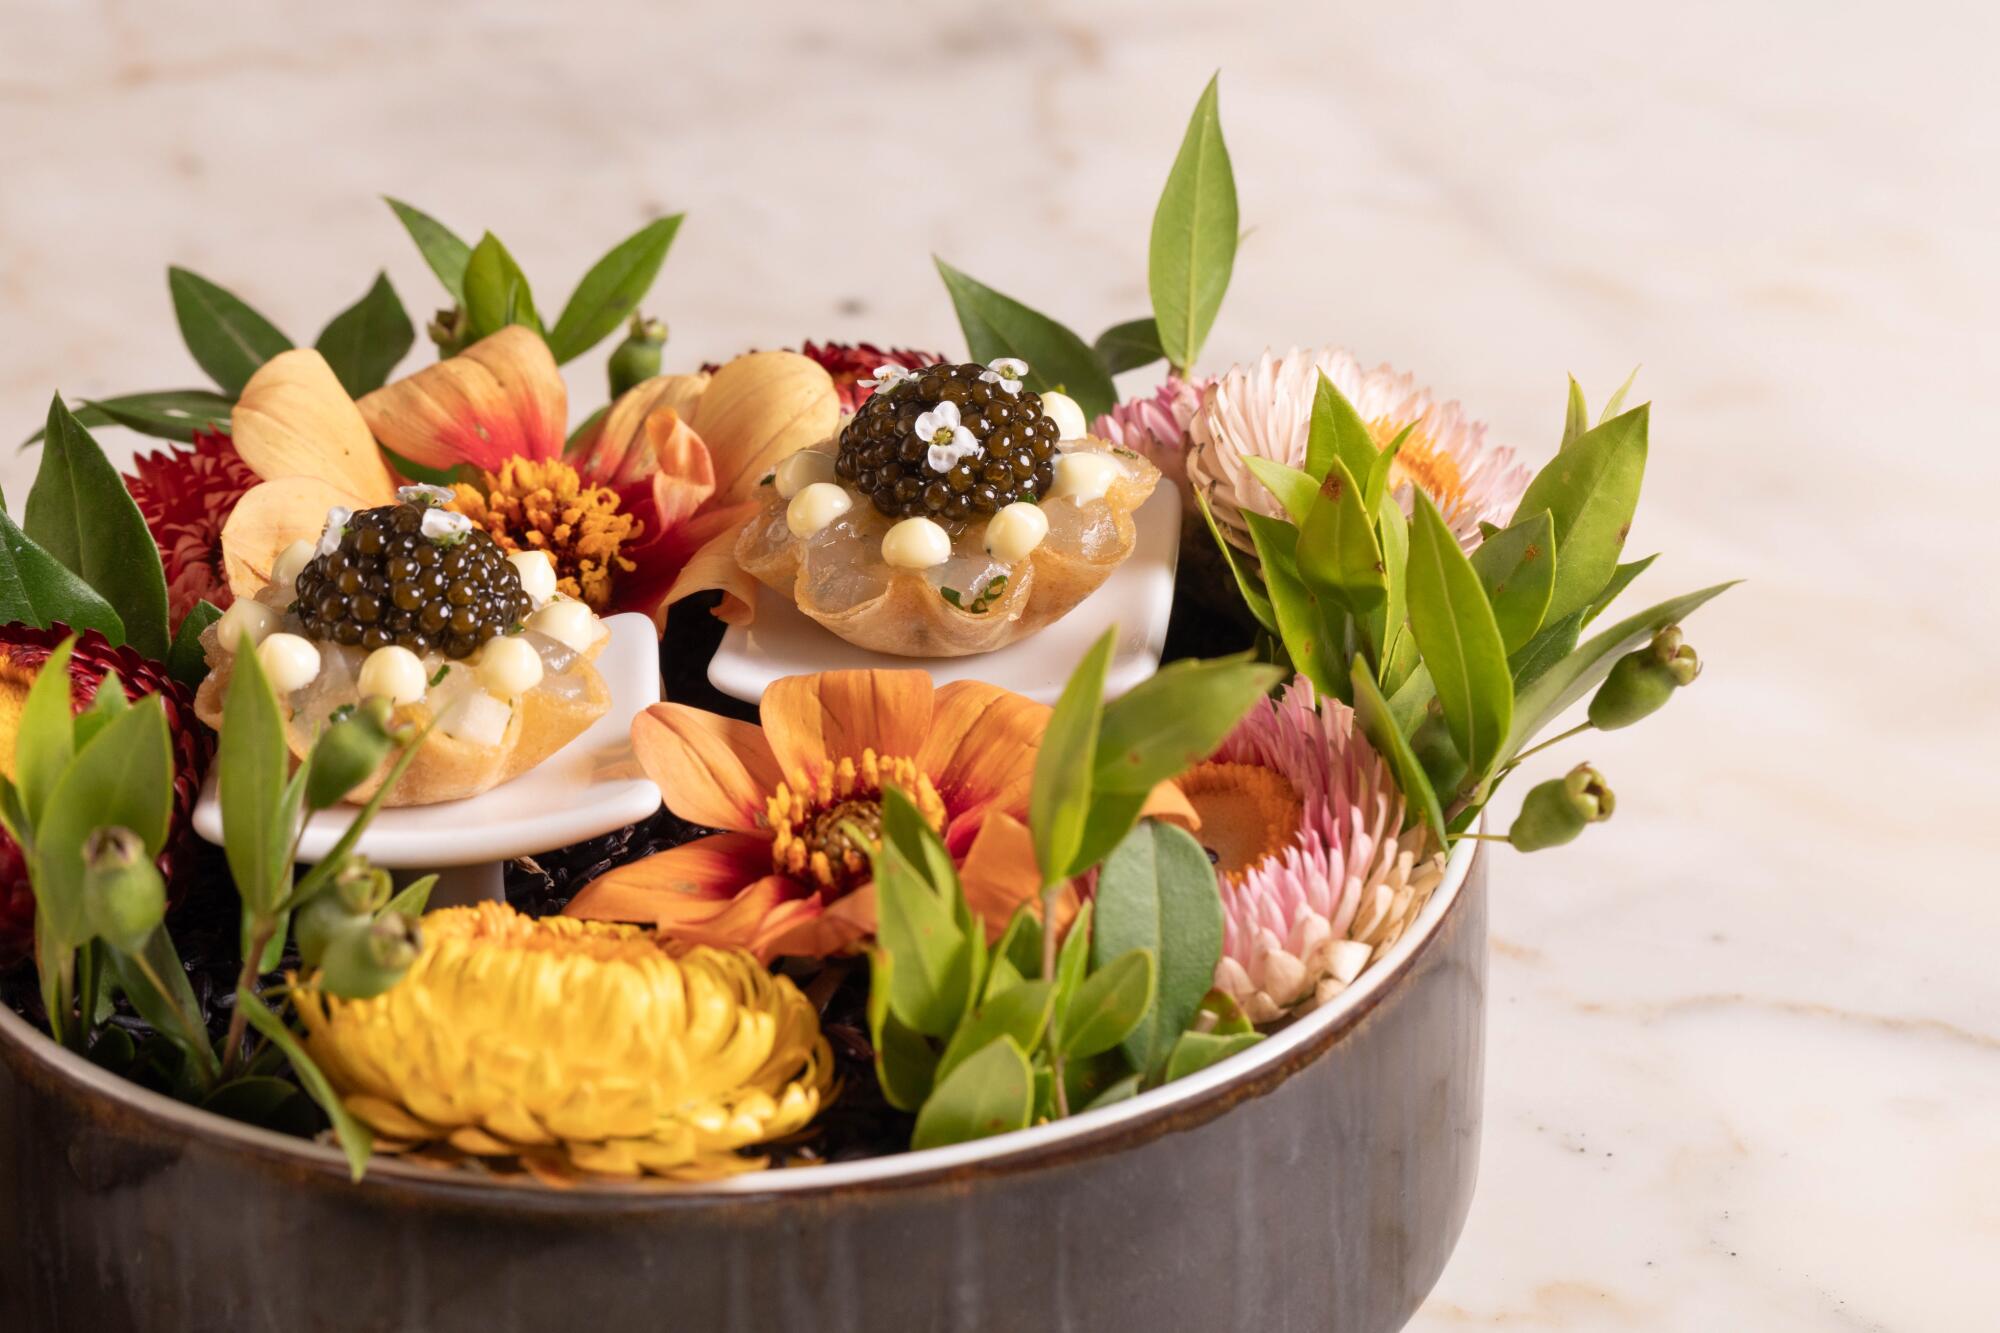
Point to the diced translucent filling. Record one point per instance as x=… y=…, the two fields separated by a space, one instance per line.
x=1088 y=529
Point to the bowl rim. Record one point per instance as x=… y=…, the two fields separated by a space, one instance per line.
x=1185 y=1103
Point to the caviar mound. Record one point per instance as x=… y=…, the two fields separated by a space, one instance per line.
x=1006 y=451
x=388 y=582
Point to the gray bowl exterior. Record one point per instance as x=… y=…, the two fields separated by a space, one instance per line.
x=1322 y=1190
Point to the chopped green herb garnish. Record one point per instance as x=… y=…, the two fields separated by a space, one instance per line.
x=442 y=672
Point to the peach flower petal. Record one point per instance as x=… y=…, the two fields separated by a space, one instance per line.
x=294 y=420
x=696 y=879
x=811 y=721
x=500 y=398
x=711 y=770
x=270 y=517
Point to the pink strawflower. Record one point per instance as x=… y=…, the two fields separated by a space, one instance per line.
x=1156 y=425
x=1303 y=819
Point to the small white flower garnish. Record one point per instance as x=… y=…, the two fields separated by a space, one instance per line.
x=445 y=527
x=422 y=494
x=886 y=378
x=1007 y=372
x=336 y=527
x=949 y=440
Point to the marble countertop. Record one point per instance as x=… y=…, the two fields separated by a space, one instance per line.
x=1745 y=1041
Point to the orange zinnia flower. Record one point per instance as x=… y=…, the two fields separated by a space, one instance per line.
x=668 y=467
x=785 y=875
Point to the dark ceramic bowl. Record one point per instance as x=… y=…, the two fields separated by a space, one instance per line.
x=1317 y=1181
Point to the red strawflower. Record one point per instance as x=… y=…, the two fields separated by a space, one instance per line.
x=186 y=495
x=850 y=363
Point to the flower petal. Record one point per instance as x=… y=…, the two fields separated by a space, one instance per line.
x=980 y=749
x=695 y=879
x=999 y=874
x=713 y=566
x=684 y=478
x=294 y=420
x=270 y=517
x=810 y=720
x=829 y=928
x=711 y=770
x=759 y=408
x=500 y=398
x=613 y=450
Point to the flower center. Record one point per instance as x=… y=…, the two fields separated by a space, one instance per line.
x=823 y=831
x=1422 y=464
x=545 y=506
x=1249 y=813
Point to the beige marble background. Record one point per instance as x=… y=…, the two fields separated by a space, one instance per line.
x=1745 y=1041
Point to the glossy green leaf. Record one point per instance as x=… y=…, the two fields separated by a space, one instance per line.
x=80 y=512
x=1375 y=482
x=1110 y=1004
x=440 y=246
x=45 y=736
x=1020 y=944
x=1517 y=567
x=364 y=342
x=905 y=1064
x=496 y=291
x=1338 y=554
x=356 y=1140
x=1616 y=402
x=1193 y=244
x=612 y=289
x=991 y=1092
x=1310 y=625
x=1460 y=639
x=1020 y=1013
x=1072 y=965
x=253 y=765
x=930 y=958
x=123 y=778
x=1249 y=585
x=1129 y=346
x=1621 y=579
x=1157 y=893
x=1059 y=801
x=1337 y=431
x=997 y=325
x=85 y=413
x=1378 y=724
x=1551 y=645
x=1583 y=670
x=1123 y=1090
x=1196 y=1051
x=158 y=987
x=164 y=414
x=37 y=589
x=1174 y=719
x=187 y=662
x=227 y=338
x=106 y=704
x=1294 y=490
x=1576 y=417
x=1399 y=647
x=1590 y=489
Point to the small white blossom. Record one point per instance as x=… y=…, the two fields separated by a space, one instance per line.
x=445 y=527
x=422 y=494
x=948 y=438
x=336 y=527
x=886 y=378
x=1007 y=372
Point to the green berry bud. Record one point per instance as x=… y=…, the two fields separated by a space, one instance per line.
x=320 y=922
x=1642 y=681
x=450 y=329
x=361 y=963
x=1555 y=811
x=638 y=357
x=348 y=753
x=124 y=896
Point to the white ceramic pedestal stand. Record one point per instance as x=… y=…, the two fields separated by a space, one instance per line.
x=586 y=789
x=1137 y=598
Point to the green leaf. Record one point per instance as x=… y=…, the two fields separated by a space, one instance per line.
x=1337 y=431
x=996 y=325
x=931 y=959
x=1591 y=489
x=157 y=985
x=1251 y=588
x=264 y=1101
x=992 y=1092
x=1338 y=554
x=1555 y=642
x=1517 y=567
x=1616 y=401
x=1460 y=639
x=1174 y=719
x=496 y=291
x=107 y=703
x=1196 y=1051
x=355 y=1139
x=1020 y=1013
x=36 y=589
x=1621 y=579
x=1399 y=647
x=187 y=662
x=1375 y=482
x=1576 y=417
x=411 y=900
x=1059 y=802
x=1123 y=1090
x=440 y=246
x=1021 y=943
x=45 y=738
x=324 y=869
x=1378 y=724
x=905 y=1064
x=1583 y=670
x=1072 y=965
x=164 y=414
x=253 y=767
x=1157 y=892
x=364 y=342
x=1295 y=491
x=80 y=512
x=1194 y=236
x=612 y=289
x=228 y=339
x=85 y=413
x=123 y=778
x=1310 y=626
x=1110 y=1004
x=1128 y=346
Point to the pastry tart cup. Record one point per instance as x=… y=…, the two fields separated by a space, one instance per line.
x=957 y=609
